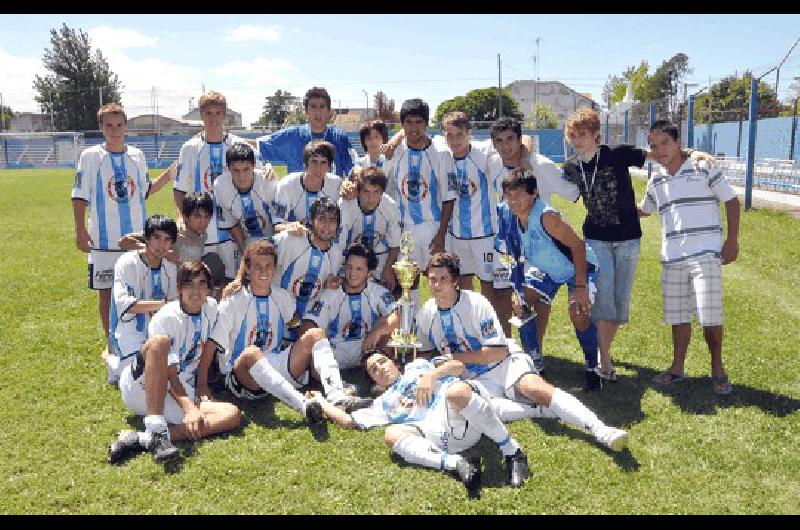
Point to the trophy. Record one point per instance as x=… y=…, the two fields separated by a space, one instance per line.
x=404 y=339
x=517 y=300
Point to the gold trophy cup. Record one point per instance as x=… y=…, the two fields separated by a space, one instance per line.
x=523 y=312
x=404 y=339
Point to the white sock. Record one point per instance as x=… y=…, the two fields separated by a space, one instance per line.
x=325 y=365
x=508 y=410
x=273 y=382
x=480 y=413
x=418 y=450
x=155 y=423
x=145 y=438
x=568 y=408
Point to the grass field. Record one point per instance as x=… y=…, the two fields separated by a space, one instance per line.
x=690 y=451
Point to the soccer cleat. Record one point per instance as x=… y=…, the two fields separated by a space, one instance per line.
x=592 y=382
x=517 y=470
x=613 y=438
x=351 y=403
x=126 y=445
x=469 y=473
x=313 y=413
x=162 y=448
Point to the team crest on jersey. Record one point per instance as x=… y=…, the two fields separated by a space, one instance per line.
x=304 y=289
x=446 y=347
x=398 y=409
x=387 y=299
x=316 y=309
x=121 y=190
x=355 y=330
x=466 y=188
x=414 y=189
x=209 y=177
x=261 y=336
x=488 y=330
x=255 y=224
x=280 y=209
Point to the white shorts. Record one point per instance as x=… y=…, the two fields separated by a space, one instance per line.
x=476 y=255
x=499 y=381
x=423 y=234
x=101 y=268
x=447 y=429
x=347 y=354
x=228 y=252
x=280 y=362
x=693 y=287
x=134 y=396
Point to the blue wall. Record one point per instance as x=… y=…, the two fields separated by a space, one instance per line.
x=773 y=137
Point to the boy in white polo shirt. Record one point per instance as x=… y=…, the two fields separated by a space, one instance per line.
x=687 y=197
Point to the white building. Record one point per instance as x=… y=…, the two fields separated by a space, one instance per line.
x=556 y=95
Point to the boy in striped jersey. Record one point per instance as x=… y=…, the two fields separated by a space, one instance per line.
x=359 y=314
x=200 y=162
x=373 y=219
x=144 y=281
x=160 y=383
x=112 y=181
x=373 y=134
x=686 y=195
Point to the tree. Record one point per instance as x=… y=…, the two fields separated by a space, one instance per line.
x=5 y=117
x=296 y=117
x=730 y=98
x=384 y=107
x=480 y=105
x=543 y=117
x=664 y=83
x=278 y=107
x=616 y=86
x=78 y=81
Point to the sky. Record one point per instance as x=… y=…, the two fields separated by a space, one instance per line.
x=168 y=59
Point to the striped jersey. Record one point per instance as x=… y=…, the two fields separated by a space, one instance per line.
x=253 y=208
x=115 y=185
x=244 y=319
x=348 y=317
x=134 y=281
x=421 y=183
x=366 y=161
x=473 y=180
x=469 y=325
x=399 y=404
x=199 y=164
x=509 y=241
x=379 y=229
x=688 y=204
x=303 y=268
x=187 y=333
x=293 y=201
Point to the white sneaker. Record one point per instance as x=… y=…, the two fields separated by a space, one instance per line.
x=112 y=368
x=613 y=438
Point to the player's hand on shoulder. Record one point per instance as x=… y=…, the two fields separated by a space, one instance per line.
x=333 y=282
x=387 y=150
x=348 y=190
x=297 y=229
x=174 y=257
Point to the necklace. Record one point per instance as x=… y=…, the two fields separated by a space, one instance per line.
x=594 y=173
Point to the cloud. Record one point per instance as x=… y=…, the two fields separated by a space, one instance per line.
x=16 y=81
x=247 y=33
x=106 y=37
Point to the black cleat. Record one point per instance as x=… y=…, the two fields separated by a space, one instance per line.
x=352 y=403
x=314 y=414
x=517 y=470
x=592 y=382
x=162 y=448
x=126 y=445
x=469 y=473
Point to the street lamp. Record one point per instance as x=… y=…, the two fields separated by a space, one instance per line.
x=367 y=98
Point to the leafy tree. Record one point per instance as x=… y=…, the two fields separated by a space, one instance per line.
x=616 y=86
x=664 y=83
x=543 y=117
x=296 y=117
x=384 y=107
x=72 y=91
x=279 y=107
x=480 y=105
x=5 y=117
x=730 y=97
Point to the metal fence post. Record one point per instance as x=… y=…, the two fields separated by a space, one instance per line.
x=794 y=130
x=751 y=144
x=652 y=121
x=625 y=128
x=608 y=141
x=690 y=124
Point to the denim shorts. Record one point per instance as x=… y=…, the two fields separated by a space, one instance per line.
x=617 y=270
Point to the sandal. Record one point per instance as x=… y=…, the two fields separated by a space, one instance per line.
x=610 y=376
x=722 y=385
x=667 y=378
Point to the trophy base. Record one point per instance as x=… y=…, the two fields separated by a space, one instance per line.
x=519 y=322
x=402 y=349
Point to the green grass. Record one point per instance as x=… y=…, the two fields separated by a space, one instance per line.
x=690 y=451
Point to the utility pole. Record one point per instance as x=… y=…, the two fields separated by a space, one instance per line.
x=499 y=89
x=52 y=120
x=536 y=84
x=2 y=113
x=100 y=93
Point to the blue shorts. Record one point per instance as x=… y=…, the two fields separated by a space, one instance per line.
x=617 y=264
x=542 y=283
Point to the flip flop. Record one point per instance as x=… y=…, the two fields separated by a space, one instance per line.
x=667 y=378
x=722 y=385
x=610 y=376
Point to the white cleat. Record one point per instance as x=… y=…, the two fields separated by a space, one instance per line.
x=613 y=438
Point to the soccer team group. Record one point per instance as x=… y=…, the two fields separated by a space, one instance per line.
x=264 y=286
